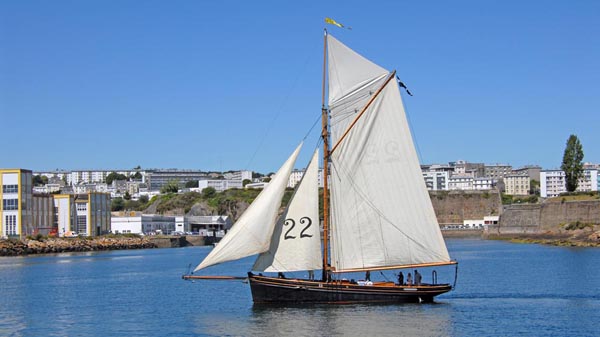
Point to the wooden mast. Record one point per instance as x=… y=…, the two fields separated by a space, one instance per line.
x=325 y=136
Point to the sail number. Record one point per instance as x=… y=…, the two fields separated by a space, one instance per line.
x=303 y=221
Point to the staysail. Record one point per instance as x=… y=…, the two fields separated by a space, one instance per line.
x=251 y=234
x=381 y=211
x=296 y=242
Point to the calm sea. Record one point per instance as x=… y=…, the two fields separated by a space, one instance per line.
x=503 y=289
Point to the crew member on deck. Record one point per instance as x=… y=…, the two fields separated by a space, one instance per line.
x=400 y=278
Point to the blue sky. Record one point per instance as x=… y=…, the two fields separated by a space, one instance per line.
x=220 y=85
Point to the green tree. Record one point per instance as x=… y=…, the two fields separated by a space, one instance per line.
x=572 y=163
x=246 y=182
x=117 y=204
x=143 y=199
x=114 y=176
x=127 y=196
x=39 y=180
x=171 y=187
x=136 y=176
x=191 y=183
x=208 y=192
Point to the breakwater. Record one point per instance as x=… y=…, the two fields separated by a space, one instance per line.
x=61 y=245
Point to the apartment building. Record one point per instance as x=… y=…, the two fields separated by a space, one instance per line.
x=553 y=182
x=517 y=184
x=16 y=214
x=436 y=180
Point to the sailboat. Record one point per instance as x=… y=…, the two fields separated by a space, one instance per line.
x=377 y=212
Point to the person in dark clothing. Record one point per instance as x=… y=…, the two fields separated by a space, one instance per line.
x=400 y=278
x=368 y=275
x=417 y=278
x=280 y=275
x=409 y=279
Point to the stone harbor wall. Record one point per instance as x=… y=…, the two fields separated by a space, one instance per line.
x=452 y=207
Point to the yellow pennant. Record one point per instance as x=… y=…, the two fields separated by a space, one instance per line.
x=335 y=23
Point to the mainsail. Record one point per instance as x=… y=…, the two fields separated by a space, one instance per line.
x=296 y=242
x=382 y=215
x=251 y=234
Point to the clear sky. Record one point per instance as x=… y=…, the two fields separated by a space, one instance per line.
x=220 y=85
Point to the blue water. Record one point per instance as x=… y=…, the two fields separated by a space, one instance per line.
x=503 y=289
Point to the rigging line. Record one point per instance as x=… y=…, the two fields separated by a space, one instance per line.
x=380 y=213
x=412 y=131
x=278 y=111
x=312 y=127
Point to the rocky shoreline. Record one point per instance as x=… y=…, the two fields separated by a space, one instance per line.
x=61 y=245
x=589 y=237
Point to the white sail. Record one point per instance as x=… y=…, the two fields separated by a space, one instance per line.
x=381 y=211
x=251 y=234
x=296 y=242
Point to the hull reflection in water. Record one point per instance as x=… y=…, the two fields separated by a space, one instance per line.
x=355 y=320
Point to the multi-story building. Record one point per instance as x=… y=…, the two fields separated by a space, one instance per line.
x=297 y=175
x=16 y=214
x=498 y=171
x=156 y=179
x=436 y=180
x=484 y=183
x=219 y=185
x=460 y=183
x=517 y=184
x=462 y=168
x=532 y=171
x=43 y=214
x=92 y=214
x=553 y=182
x=137 y=223
x=64 y=213
x=238 y=175
x=207 y=225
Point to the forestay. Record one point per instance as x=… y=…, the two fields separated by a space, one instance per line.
x=381 y=211
x=296 y=242
x=251 y=234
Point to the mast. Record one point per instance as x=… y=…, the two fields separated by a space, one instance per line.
x=325 y=136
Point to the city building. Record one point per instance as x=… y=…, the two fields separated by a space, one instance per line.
x=297 y=175
x=138 y=223
x=209 y=225
x=16 y=214
x=92 y=212
x=497 y=171
x=484 y=183
x=43 y=214
x=156 y=179
x=219 y=185
x=64 y=213
x=517 y=184
x=532 y=171
x=553 y=182
x=436 y=180
x=238 y=175
x=460 y=183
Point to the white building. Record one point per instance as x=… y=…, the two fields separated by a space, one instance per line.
x=16 y=216
x=297 y=175
x=553 y=182
x=460 y=183
x=484 y=183
x=436 y=180
x=137 y=223
x=517 y=184
x=238 y=175
x=219 y=185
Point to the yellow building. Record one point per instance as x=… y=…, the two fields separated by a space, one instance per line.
x=16 y=216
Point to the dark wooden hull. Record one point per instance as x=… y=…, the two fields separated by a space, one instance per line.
x=280 y=291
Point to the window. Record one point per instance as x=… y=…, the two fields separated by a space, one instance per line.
x=82 y=207
x=81 y=224
x=10 y=188
x=11 y=224
x=10 y=204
